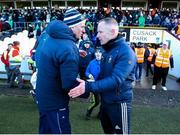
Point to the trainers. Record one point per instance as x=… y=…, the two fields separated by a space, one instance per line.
x=154 y=87
x=164 y=88
x=88 y=116
x=32 y=92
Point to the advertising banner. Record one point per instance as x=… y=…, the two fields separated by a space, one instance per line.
x=146 y=35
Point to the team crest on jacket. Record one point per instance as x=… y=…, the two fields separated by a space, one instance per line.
x=130 y=62
x=110 y=59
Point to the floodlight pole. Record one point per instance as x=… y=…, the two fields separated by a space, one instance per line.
x=50 y=4
x=15 y=4
x=32 y=4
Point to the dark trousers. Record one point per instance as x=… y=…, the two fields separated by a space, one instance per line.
x=138 y=71
x=82 y=73
x=94 y=103
x=148 y=68
x=55 y=122
x=8 y=73
x=15 y=72
x=115 y=118
x=160 y=73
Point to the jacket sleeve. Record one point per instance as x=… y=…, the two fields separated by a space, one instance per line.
x=69 y=68
x=87 y=73
x=2 y=59
x=171 y=62
x=146 y=54
x=154 y=57
x=123 y=67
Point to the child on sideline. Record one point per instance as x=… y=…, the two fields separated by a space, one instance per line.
x=92 y=73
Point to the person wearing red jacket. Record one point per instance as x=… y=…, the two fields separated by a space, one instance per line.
x=5 y=60
x=14 y=65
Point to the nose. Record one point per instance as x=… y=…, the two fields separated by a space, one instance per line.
x=97 y=36
x=83 y=30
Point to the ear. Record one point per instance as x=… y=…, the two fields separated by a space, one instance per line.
x=113 y=32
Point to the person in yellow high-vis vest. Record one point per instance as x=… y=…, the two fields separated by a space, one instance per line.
x=140 y=52
x=162 y=61
x=149 y=55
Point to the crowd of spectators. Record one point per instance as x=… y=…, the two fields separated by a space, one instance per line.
x=23 y=17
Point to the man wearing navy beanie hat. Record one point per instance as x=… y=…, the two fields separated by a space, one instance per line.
x=72 y=17
x=58 y=68
x=76 y=22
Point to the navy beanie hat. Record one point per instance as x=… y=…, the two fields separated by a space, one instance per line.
x=72 y=17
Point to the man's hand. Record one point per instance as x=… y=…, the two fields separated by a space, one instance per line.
x=79 y=90
x=82 y=53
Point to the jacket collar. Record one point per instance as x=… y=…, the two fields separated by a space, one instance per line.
x=112 y=43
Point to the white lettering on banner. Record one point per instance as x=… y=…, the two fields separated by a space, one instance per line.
x=145 y=35
x=140 y=38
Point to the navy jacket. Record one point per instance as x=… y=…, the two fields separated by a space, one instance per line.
x=39 y=43
x=57 y=67
x=116 y=73
x=93 y=68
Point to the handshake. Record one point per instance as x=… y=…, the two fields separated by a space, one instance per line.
x=80 y=89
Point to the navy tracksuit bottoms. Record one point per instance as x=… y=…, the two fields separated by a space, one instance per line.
x=54 y=122
x=115 y=117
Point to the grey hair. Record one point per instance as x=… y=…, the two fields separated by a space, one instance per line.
x=111 y=23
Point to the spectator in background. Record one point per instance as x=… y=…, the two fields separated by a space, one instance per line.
x=140 y=53
x=149 y=52
x=141 y=20
x=5 y=60
x=166 y=23
x=162 y=61
x=0 y=25
x=92 y=73
x=156 y=20
x=38 y=30
x=10 y=21
x=153 y=12
x=30 y=31
x=15 y=59
x=177 y=28
x=148 y=19
x=85 y=45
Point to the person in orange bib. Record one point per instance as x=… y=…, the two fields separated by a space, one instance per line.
x=163 y=59
x=149 y=55
x=140 y=53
